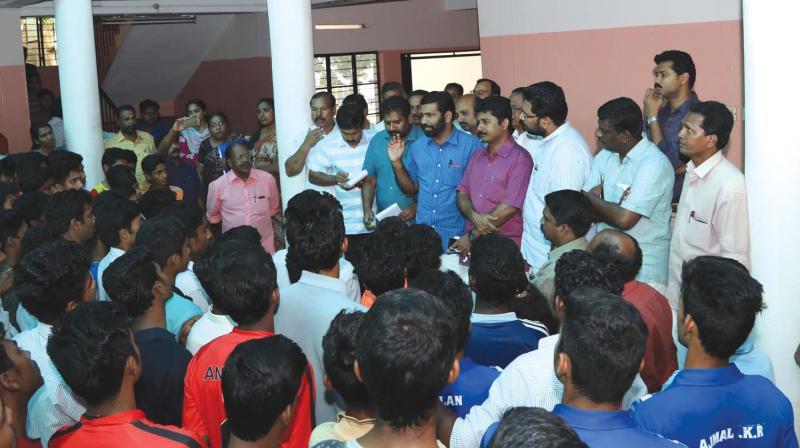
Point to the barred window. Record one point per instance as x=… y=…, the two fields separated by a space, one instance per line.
x=343 y=74
x=39 y=37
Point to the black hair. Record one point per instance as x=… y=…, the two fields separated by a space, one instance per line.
x=31 y=176
x=534 y=306
x=405 y=354
x=90 y=348
x=205 y=267
x=151 y=162
x=7 y=167
x=717 y=120
x=618 y=265
x=604 y=337
x=269 y=102
x=129 y=280
x=221 y=115
x=350 y=116
x=5 y=361
x=190 y=214
x=392 y=85
x=423 y=249
x=51 y=276
x=314 y=231
x=453 y=295
x=61 y=163
x=623 y=114
x=493 y=86
x=723 y=300
x=35 y=130
x=111 y=155
x=122 y=180
x=518 y=91
x=36 y=236
x=245 y=233
x=547 y=100
x=681 y=63
x=393 y=226
x=197 y=102
x=65 y=206
x=418 y=92
x=164 y=235
x=571 y=208
x=234 y=143
x=148 y=104
x=260 y=379
x=5 y=190
x=357 y=99
x=443 y=100
x=339 y=356
x=456 y=86
x=395 y=104
x=327 y=95
x=112 y=214
x=10 y=223
x=30 y=206
x=154 y=201
x=499 y=107
x=578 y=269
x=381 y=263
x=529 y=427
x=125 y=108
x=496 y=270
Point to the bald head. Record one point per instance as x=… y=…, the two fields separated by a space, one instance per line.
x=620 y=252
x=465 y=113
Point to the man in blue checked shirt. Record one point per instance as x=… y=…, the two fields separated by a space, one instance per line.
x=435 y=166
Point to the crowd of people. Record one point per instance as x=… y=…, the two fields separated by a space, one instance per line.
x=463 y=273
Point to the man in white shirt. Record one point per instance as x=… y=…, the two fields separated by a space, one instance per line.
x=532 y=143
x=323 y=113
x=388 y=90
x=116 y=222
x=194 y=219
x=712 y=212
x=563 y=163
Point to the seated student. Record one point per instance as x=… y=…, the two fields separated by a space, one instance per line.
x=474 y=380
x=66 y=169
x=122 y=181
x=154 y=168
x=497 y=275
x=339 y=345
x=381 y=266
x=94 y=351
x=168 y=241
x=260 y=382
x=534 y=427
x=154 y=202
x=19 y=379
x=404 y=344
x=8 y=173
x=70 y=214
x=423 y=249
x=244 y=284
x=50 y=282
x=532 y=305
x=530 y=380
x=117 y=220
x=711 y=402
x=296 y=209
x=31 y=207
x=136 y=282
x=216 y=321
x=113 y=157
x=194 y=219
x=8 y=195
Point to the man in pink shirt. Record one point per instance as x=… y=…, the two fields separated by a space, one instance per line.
x=244 y=196
x=493 y=188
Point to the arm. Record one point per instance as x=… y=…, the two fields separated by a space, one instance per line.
x=294 y=164
x=367 y=198
x=171 y=136
x=731 y=223
x=213 y=205
x=396 y=151
x=502 y=213
x=612 y=213
x=653 y=101
x=320 y=178
x=483 y=223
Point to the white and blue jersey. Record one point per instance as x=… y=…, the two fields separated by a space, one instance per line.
x=497 y=339
x=471 y=388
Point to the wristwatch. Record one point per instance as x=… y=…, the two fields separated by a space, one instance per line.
x=651 y=120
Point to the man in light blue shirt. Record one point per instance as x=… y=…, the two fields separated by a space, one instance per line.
x=630 y=186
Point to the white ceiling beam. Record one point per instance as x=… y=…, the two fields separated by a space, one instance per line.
x=105 y=7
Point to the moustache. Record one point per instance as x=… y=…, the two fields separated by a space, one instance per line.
x=657 y=86
x=481 y=134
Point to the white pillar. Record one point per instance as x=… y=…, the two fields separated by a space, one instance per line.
x=77 y=74
x=292 y=46
x=772 y=164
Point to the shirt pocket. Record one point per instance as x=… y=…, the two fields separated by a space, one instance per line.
x=699 y=231
x=494 y=188
x=261 y=200
x=453 y=173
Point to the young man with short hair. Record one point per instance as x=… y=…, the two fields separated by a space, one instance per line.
x=66 y=169
x=534 y=427
x=70 y=215
x=151 y=120
x=111 y=158
x=122 y=182
x=19 y=379
x=117 y=221
x=95 y=353
x=423 y=249
x=153 y=202
x=381 y=266
x=194 y=220
x=135 y=281
x=711 y=402
x=154 y=168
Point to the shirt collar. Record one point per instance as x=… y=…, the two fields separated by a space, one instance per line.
x=343 y=416
x=505 y=150
x=232 y=177
x=561 y=129
x=586 y=419
x=708 y=377
x=153 y=334
x=257 y=334
x=683 y=108
x=493 y=318
x=119 y=418
x=705 y=167
x=44 y=329
x=121 y=137
x=219 y=319
x=579 y=243
x=115 y=252
x=638 y=150
x=322 y=281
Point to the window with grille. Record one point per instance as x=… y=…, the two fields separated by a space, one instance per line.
x=343 y=74
x=39 y=37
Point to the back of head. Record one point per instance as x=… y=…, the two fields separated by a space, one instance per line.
x=245 y=233
x=10 y=225
x=405 y=356
x=65 y=206
x=623 y=114
x=51 y=276
x=165 y=236
x=61 y=163
x=121 y=178
x=455 y=86
x=357 y=99
x=315 y=232
x=604 y=337
x=499 y=107
x=681 y=63
x=30 y=206
x=190 y=214
x=113 y=213
x=496 y=270
x=534 y=427
x=533 y=305
x=90 y=347
x=423 y=249
x=578 y=269
x=453 y=295
x=260 y=380
x=241 y=281
x=350 y=116
x=443 y=100
x=154 y=201
x=547 y=100
x=393 y=86
x=129 y=280
x=112 y=155
x=494 y=88
x=571 y=208
x=717 y=120
x=608 y=249
x=36 y=236
x=205 y=267
x=339 y=356
x=381 y=263
x=723 y=300
x=31 y=175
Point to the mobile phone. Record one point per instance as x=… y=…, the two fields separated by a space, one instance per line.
x=192 y=122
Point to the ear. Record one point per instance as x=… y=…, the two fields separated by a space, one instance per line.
x=133 y=366
x=357 y=371
x=471 y=283
x=684 y=78
x=326 y=381
x=563 y=367
x=286 y=415
x=641 y=365
x=123 y=234
x=274 y=299
x=711 y=141
x=345 y=245
x=689 y=325
x=89 y=288
x=505 y=124
x=448 y=119
x=173 y=260
x=455 y=370
x=558 y=305
x=9 y=381
x=71 y=305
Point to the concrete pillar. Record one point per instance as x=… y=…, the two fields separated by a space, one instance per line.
x=292 y=47
x=77 y=73
x=772 y=161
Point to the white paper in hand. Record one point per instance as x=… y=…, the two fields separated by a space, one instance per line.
x=392 y=210
x=354 y=179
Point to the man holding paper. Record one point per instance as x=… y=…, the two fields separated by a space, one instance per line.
x=344 y=156
x=492 y=192
x=381 y=181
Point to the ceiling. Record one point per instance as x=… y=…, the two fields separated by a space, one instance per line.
x=204 y=5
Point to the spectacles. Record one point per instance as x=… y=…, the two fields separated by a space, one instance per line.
x=479 y=92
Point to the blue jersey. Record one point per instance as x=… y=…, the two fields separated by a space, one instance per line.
x=609 y=429
x=497 y=339
x=719 y=407
x=471 y=388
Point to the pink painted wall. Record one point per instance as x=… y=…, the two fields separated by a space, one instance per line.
x=15 y=121
x=594 y=66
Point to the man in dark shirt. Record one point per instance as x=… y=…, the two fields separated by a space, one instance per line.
x=151 y=121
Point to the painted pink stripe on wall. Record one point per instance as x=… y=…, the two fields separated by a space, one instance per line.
x=15 y=121
x=598 y=65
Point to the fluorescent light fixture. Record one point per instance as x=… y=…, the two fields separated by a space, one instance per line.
x=344 y=26
x=149 y=19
